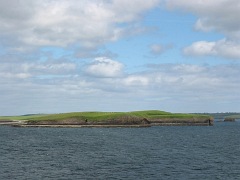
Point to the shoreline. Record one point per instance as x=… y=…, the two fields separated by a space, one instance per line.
x=81 y=126
x=105 y=126
x=10 y=122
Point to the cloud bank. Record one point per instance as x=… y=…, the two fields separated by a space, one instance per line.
x=105 y=85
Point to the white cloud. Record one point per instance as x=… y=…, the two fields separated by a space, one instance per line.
x=104 y=67
x=136 y=80
x=222 y=48
x=50 y=67
x=201 y=48
x=9 y=75
x=157 y=49
x=25 y=70
x=187 y=68
x=228 y=49
x=217 y=16
x=61 y=23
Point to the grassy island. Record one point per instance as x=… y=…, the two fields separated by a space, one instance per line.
x=111 y=119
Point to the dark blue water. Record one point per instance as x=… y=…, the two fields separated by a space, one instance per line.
x=121 y=153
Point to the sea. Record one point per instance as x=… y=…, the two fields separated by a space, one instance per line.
x=162 y=152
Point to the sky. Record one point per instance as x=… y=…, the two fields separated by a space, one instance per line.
x=118 y=55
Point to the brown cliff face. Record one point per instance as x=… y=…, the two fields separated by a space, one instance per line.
x=122 y=120
x=71 y=121
x=197 y=121
x=127 y=120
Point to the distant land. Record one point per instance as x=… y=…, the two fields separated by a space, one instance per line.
x=223 y=115
x=109 y=119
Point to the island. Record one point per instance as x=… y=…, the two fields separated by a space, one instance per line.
x=110 y=119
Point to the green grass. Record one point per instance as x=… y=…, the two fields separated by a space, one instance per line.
x=100 y=116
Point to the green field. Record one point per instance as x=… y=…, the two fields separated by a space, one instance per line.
x=100 y=116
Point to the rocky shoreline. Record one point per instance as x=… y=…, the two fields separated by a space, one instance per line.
x=131 y=123
x=10 y=122
x=81 y=126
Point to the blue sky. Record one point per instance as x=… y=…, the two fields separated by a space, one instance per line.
x=118 y=55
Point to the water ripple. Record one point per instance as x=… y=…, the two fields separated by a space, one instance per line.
x=121 y=153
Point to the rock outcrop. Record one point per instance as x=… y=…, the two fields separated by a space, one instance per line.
x=126 y=121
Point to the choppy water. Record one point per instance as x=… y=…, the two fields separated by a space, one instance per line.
x=121 y=153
